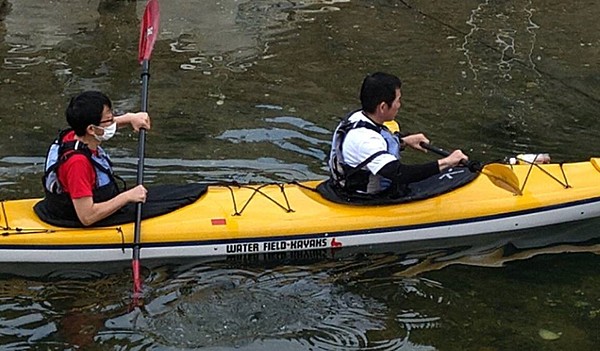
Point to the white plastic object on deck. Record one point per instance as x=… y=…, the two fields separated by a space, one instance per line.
x=529 y=159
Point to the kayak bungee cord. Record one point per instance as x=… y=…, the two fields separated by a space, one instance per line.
x=6 y=226
x=256 y=190
x=564 y=184
x=22 y=231
x=9 y=231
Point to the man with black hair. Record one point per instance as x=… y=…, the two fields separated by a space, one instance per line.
x=365 y=154
x=79 y=182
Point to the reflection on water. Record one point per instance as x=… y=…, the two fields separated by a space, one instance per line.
x=284 y=138
x=375 y=301
x=291 y=307
x=499 y=250
x=61 y=310
x=232 y=35
x=509 y=54
x=509 y=30
x=237 y=307
x=515 y=38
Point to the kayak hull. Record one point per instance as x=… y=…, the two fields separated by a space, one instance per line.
x=272 y=218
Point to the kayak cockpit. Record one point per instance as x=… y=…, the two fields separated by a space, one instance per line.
x=162 y=199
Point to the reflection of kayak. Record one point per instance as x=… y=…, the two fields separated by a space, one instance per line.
x=247 y=219
x=496 y=250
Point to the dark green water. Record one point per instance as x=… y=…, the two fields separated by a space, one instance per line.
x=250 y=91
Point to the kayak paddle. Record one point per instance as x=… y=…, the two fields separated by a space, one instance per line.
x=148 y=34
x=500 y=175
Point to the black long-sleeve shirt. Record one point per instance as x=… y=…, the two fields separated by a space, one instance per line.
x=405 y=174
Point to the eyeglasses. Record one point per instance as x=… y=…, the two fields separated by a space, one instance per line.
x=111 y=119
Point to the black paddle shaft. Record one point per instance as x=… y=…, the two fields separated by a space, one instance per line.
x=434 y=149
x=141 y=153
x=472 y=165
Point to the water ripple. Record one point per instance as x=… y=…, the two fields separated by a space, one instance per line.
x=514 y=44
x=298 y=141
x=287 y=307
x=240 y=34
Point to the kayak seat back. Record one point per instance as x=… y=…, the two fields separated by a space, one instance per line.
x=161 y=199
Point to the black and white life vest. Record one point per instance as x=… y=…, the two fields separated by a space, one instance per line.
x=356 y=179
x=58 y=204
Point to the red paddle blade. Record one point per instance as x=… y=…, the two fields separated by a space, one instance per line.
x=137 y=282
x=149 y=30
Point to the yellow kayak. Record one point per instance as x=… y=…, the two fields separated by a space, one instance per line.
x=232 y=219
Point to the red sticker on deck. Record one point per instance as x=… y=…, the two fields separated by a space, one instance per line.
x=218 y=221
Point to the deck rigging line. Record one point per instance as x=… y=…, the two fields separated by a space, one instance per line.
x=4 y=216
x=6 y=231
x=22 y=231
x=565 y=184
x=256 y=190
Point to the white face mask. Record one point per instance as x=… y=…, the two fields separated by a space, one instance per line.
x=109 y=132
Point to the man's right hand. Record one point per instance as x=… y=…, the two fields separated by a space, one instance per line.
x=89 y=212
x=137 y=194
x=452 y=160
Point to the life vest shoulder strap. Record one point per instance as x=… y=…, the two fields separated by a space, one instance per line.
x=67 y=149
x=347 y=126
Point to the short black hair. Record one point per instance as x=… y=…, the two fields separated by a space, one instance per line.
x=378 y=87
x=85 y=109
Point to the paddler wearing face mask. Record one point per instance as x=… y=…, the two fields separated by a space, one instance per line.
x=79 y=182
